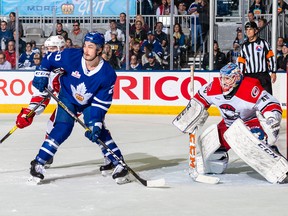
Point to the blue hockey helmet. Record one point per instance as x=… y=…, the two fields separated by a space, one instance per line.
x=230 y=77
x=95 y=37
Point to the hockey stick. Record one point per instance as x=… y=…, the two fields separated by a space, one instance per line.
x=193 y=147
x=27 y=116
x=147 y=183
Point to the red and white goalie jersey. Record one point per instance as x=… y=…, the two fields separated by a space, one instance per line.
x=249 y=98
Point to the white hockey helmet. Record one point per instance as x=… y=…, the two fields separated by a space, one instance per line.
x=55 y=41
x=230 y=77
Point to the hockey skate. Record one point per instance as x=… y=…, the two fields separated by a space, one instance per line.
x=107 y=167
x=48 y=163
x=121 y=175
x=36 y=171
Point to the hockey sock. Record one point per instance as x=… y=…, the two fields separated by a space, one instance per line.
x=48 y=150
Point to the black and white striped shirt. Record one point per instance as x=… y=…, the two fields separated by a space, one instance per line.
x=256 y=57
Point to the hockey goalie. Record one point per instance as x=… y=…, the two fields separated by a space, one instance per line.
x=250 y=126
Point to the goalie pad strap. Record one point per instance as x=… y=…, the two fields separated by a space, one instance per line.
x=192 y=116
x=272 y=166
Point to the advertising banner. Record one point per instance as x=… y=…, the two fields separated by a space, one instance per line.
x=68 y=7
x=148 y=90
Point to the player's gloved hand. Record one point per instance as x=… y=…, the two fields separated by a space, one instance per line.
x=271 y=124
x=40 y=80
x=94 y=132
x=22 y=121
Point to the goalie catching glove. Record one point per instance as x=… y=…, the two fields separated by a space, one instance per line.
x=22 y=120
x=94 y=132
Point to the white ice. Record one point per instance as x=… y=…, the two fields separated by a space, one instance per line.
x=153 y=148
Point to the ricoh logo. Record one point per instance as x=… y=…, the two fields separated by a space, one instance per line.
x=268 y=150
x=40 y=8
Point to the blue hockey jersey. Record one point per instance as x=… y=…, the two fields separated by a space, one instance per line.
x=79 y=85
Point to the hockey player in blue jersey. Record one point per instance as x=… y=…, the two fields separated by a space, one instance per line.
x=86 y=87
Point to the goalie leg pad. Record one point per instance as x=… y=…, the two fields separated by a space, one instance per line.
x=217 y=162
x=272 y=166
x=192 y=116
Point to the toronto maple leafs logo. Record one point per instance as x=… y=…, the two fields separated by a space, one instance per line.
x=79 y=93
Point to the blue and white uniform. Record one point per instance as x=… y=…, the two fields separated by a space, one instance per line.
x=82 y=91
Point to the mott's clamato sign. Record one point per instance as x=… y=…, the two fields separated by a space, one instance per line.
x=165 y=92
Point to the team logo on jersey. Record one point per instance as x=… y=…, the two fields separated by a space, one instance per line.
x=255 y=91
x=258 y=48
x=76 y=74
x=229 y=111
x=80 y=94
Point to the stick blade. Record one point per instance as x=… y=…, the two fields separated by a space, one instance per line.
x=156 y=183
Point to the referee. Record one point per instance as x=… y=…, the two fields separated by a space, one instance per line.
x=257 y=59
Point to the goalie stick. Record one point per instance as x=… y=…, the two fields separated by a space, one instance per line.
x=147 y=183
x=28 y=115
x=193 y=148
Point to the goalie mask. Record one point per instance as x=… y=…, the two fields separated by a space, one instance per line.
x=230 y=77
x=55 y=41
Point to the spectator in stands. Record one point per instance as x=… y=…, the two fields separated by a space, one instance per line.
x=22 y=43
x=179 y=44
x=160 y=35
x=60 y=31
x=182 y=10
x=282 y=61
x=4 y=64
x=251 y=17
x=42 y=51
x=144 y=25
x=113 y=28
x=196 y=28
x=219 y=58
x=148 y=8
x=257 y=7
x=239 y=38
x=136 y=52
x=138 y=34
x=121 y=24
x=35 y=49
x=152 y=64
x=37 y=58
x=109 y=56
x=10 y=53
x=162 y=8
x=233 y=54
x=157 y=48
x=280 y=43
x=26 y=58
x=282 y=6
x=134 y=63
x=11 y=25
x=5 y=35
x=116 y=46
x=262 y=31
x=68 y=43
x=168 y=10
x=147 y=49
x=77 y=34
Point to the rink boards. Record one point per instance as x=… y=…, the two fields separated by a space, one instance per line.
x=164 y=92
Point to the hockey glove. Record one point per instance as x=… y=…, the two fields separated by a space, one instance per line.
x=40 y=80
x=271 y=125
x=94 y=132
x=22 y=121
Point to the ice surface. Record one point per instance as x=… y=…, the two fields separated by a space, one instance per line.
x=153 y=148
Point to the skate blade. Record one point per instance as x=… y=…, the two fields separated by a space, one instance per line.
x=123 y=180
x=34 y=180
